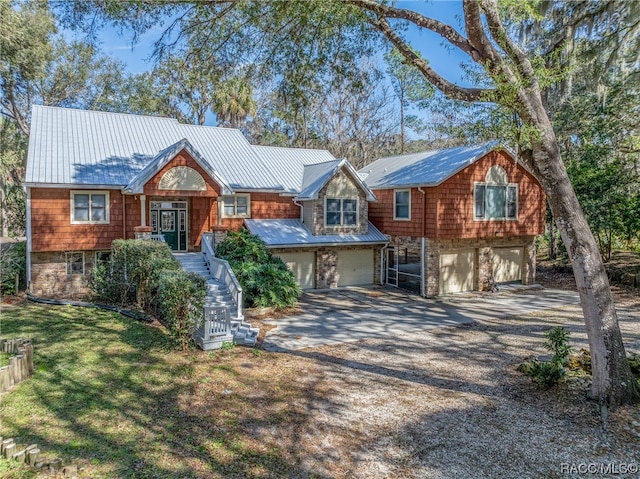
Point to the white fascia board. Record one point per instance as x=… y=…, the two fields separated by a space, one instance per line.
x=74 y=186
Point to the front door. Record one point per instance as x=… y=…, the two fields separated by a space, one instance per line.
x=169 y=228
x=169 y=218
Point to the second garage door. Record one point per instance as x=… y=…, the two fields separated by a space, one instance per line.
x=303 y=267
x=457 y=270
x=507 y=264
x=355 y=267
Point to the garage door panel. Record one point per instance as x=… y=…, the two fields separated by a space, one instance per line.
x=457 y=271
x=302 y=265
x=507 y=264
x=355 y=267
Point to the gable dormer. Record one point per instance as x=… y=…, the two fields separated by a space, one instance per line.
x=335 y=200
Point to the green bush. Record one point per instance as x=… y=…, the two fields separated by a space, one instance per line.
x=548 y=373
x=127 y=277
x=13 y=261
x=145 y=273
x=266 y=281
x=180 y=303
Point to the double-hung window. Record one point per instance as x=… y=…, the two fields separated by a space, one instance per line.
x=341 y=212
x=89 y=207
x=236 y=206
x=496 y=201
x=402 y=205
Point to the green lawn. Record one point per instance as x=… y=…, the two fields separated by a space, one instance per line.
x=112 y=395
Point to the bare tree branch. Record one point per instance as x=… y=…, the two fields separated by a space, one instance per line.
x=445 y=86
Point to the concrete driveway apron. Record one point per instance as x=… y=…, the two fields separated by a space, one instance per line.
x=344 y=315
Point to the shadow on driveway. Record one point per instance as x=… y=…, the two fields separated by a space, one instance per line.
x=352 y=314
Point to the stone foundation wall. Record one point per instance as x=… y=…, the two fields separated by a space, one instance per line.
x=49 y=278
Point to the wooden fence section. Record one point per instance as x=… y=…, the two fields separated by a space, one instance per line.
x=20 y=365
x=30 y=456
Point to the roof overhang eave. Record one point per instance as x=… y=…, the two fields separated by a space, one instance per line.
x=32 y=184
x=317 y=245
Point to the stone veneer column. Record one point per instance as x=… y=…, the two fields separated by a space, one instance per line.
x=484 y=261
x=142 y=232
x=326 y=268
x=431 y=273
x=529 y=262
x=219 y=234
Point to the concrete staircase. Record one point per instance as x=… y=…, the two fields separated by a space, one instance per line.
x=218 y=295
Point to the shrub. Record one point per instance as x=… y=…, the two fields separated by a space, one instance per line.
x=180 y=303
x=13 y=261
x=128 y=275
x=548 y=373
x=265 y=279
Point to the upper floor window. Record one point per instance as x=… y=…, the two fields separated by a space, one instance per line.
x=496 y=202
x=496 y=198
x=341 y=212
x=402 y=205
x=90 y=207
x=236 y=206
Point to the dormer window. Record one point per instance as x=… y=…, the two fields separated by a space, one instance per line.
x=341 y=212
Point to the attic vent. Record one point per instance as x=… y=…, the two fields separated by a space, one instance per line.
x=182 y=178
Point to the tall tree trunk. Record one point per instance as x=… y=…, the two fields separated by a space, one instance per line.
x=613 y=384
x=553 y=241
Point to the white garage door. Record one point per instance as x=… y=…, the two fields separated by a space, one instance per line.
x=457 y=270
x=355 y=267
x=507 y=264
x=303 y=267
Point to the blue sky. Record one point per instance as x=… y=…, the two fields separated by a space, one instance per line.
x=445 y=60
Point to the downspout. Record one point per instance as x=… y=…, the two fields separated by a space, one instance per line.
x=382 y=261
x=301 y=210
x=424 y=214
x=29 y=240
x=124 y=216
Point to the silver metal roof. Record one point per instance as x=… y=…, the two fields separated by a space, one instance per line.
x=293 y=233
x=79 y=147
x=317 y=175
x=288 y=164
x=136 y=185
x=427 y=168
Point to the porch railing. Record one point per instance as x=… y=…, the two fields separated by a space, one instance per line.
x=215 y=329
x=221 y=270
x=157 y=238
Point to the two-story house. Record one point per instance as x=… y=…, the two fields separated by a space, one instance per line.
x=435 y=222
x=458 y=219
x=93 y=177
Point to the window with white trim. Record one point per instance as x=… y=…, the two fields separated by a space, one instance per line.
x=341 y=212
x=75 y=262
x=89 y=207
x=402 y=204
x=236 y=206
x=497 y=202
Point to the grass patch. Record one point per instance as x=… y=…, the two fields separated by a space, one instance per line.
x=112 y=395
x=4 y=359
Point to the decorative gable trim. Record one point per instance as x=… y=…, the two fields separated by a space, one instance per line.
x=317 y=176
x=182 y=178
x=136 y=186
